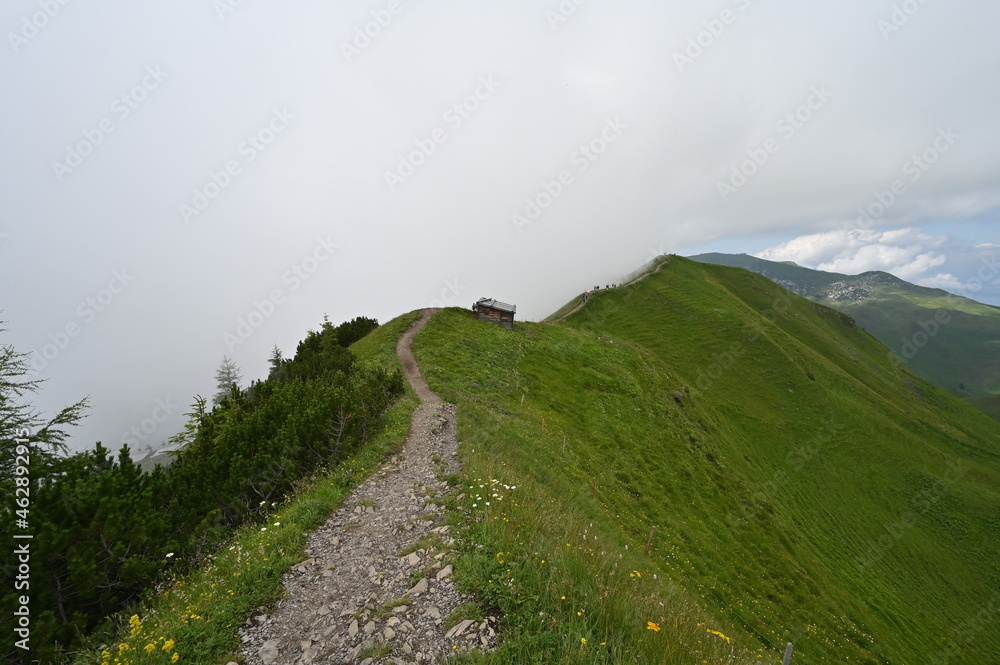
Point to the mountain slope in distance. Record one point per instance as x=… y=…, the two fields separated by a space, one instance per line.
x=947 y=339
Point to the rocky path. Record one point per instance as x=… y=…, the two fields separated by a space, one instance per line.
x=377 y=586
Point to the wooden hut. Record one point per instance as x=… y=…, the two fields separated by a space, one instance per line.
x=491 y=309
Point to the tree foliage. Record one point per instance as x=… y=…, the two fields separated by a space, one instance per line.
x=351 y=331
x=105 y=531
x=227 y=380
x=20 y=420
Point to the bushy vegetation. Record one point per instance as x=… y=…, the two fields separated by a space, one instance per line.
x=197 y=613
x=105 y=531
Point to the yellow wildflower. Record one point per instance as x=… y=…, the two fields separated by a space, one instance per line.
x=168 y=645
x=715 y=632
x=652 y=626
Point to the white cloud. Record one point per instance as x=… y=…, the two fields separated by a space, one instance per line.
x=943 y=280
x=907 y=253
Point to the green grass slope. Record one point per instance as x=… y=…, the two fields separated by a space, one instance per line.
x=947 y=339
x=804 y=486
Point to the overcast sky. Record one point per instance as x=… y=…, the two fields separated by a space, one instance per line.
x=187 y=180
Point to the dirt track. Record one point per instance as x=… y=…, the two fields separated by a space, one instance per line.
x=404 y=349
x=355 y=600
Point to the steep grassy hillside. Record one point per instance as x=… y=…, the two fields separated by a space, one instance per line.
x=947 y=339
x=803 y=485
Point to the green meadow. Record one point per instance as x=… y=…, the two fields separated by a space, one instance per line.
x=800 y=484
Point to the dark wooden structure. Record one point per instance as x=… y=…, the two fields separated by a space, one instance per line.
x=491 y=309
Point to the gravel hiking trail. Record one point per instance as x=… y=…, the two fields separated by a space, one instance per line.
x=377 y=586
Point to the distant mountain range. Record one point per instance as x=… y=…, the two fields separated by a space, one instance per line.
x=947 y=339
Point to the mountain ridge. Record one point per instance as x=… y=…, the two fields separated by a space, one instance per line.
x=780 y=467
x=696 y=467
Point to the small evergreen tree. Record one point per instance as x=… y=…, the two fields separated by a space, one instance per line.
x=276 y=361
x=227 y=378
x=196 y=419
x=19 y=421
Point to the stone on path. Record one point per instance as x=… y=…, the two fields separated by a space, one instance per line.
x=269 y=651
x=459 y=628
x=419 y=588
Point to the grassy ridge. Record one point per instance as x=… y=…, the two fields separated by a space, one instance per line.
x=878 y=499
x=803 y=484
x=558 y=559
x=379 y=346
